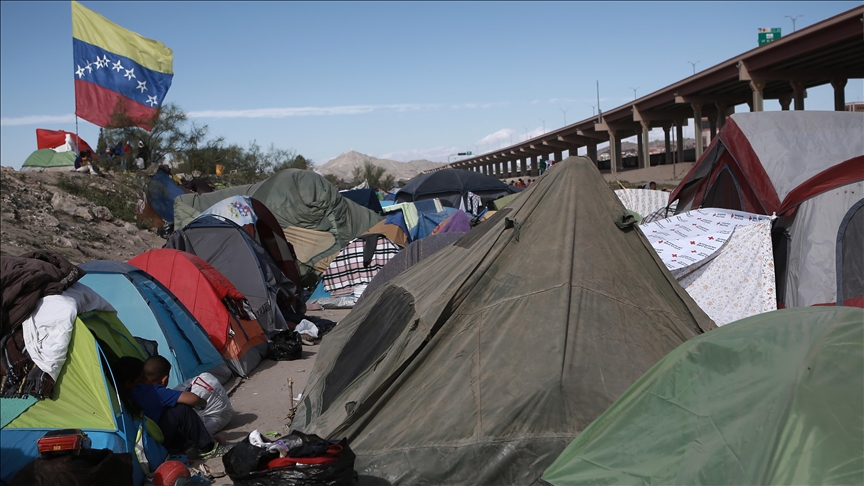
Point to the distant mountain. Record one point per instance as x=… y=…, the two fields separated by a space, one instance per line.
x=343 y=166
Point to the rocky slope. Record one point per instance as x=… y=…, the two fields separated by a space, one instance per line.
x=343 y=166
x=36 y=213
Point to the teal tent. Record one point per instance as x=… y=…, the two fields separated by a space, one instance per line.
x=776 y=398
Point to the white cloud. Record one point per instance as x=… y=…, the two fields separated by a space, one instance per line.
x=435 y=154
x=335 y=110
x=37 y=120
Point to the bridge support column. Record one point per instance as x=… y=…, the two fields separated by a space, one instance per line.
x=697 y=127
x=785 y=102
x=839 y=86
x=679 y=133
x=798 y=93
x=645 y=149
x=668 y=142
x=614 y=143
x=558 y=156
x=721 y=115
x=712 y=122
x=591 y=152
x=758 y=103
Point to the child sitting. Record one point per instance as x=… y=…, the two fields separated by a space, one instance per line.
x=144 y=383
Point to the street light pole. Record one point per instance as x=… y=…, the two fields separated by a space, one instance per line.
x=634 y=91
x=565 y=115
x=694 y=65
x=793 y=20
x=544 y=125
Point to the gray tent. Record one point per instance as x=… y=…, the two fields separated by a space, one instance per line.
x=316 y=219
x=479 y=364
x=244 y=262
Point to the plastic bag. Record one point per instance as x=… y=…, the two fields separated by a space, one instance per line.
x=285 y=346
x=307 y=327
x=332 y=467
x=218 y=411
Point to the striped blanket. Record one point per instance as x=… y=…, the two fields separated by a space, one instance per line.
x=350 y=269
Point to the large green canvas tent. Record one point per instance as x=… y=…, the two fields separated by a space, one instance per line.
x=776 y=398
x=48 y=159
x=482 y=362
x=316 y=219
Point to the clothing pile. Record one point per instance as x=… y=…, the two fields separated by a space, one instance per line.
x=25 y=280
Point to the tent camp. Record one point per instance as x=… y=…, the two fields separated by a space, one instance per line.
x=150 y=311
x=48 y=159
x=368 y=198
x=808 y=168
x=452 y=186
x=772 y=399
x=84 y=397
x=479 y=364
x=214 y=301
x=246 y=264
x=314 y=217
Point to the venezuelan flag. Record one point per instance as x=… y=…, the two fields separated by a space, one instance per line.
x=116 y=68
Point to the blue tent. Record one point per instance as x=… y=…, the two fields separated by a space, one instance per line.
x=150 y=311
x=161 y=191
x=367 y=198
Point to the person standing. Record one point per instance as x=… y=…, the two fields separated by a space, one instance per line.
x=142 y=157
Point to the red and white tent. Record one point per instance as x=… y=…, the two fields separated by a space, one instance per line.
x=807 y=167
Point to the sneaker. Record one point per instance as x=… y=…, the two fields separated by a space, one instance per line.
x=218 y=450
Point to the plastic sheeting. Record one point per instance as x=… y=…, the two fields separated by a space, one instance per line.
x=773 y=399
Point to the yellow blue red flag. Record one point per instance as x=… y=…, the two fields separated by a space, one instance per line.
x=117 y=69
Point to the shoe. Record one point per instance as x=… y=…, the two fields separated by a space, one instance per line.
x=307 y=340
x=218 y=450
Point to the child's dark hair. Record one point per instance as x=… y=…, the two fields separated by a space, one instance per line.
x=155 y=368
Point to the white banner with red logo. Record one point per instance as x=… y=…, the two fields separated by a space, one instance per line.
x=688 y=240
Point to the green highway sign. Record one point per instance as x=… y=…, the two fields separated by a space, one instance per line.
x=767 y=35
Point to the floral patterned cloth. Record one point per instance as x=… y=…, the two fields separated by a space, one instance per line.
x=235 y=208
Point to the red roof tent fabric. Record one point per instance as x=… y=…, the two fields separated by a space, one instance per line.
x=732 y=151
x=49 y=139
x=202 y=288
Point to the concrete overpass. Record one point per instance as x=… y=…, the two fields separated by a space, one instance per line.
x=829 y=52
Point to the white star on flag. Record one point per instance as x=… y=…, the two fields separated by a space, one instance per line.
x=98 y=62
x=89 y=67
x=142 y=85
x=151 y=100
x=80 y=72
x=130 y=73
x=117 y=66
x=105 y=61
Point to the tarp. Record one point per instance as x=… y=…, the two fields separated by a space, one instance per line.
x=161 y=191
x=298 y=199
x=451 y=186
x=773 y=399
x=482 y=362
x=215 y=303
x=49 y=159
x=643 y=201
x=149 y=310
x=83 y=397
x=808 y=168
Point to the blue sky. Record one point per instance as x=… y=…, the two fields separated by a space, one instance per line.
x=397 y=80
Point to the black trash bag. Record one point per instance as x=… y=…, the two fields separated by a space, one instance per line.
x=304 y=445
x=339 y=472
x=285 y=346
x=245 y=458
x=324 y=325
x=89 y=467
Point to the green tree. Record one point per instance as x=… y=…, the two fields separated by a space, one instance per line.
x=169 y=137
x=337 y=182
x=373 y=175
x=101 y=144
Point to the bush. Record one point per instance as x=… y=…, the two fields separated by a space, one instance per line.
x=116 y=201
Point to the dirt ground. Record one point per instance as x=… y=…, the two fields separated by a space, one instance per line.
x=263 y=401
